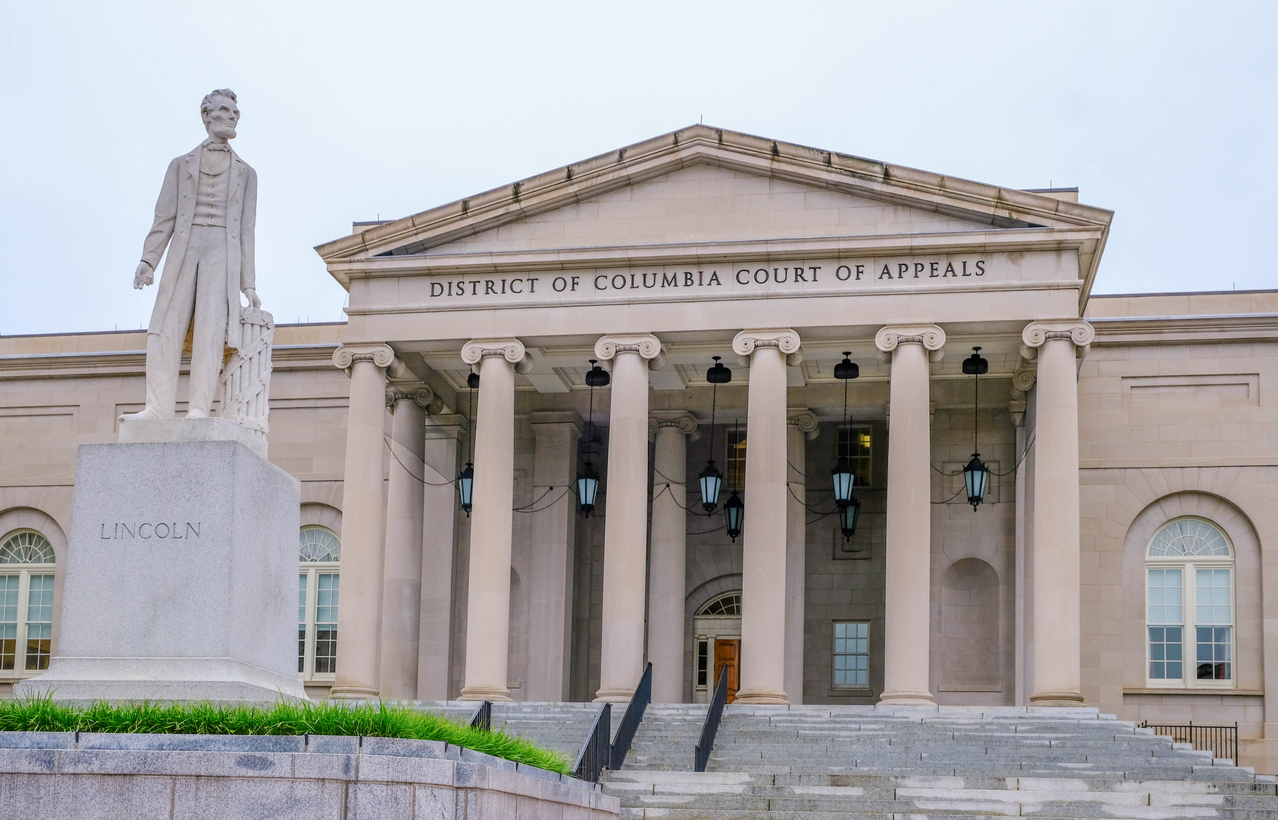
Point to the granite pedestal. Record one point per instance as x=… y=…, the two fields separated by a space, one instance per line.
x=181 y=577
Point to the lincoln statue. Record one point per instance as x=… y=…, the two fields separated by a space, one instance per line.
x=205 y=216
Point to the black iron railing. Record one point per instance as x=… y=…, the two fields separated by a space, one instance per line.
x=701 y=755
x=630 y=720
x=483 y=717
x=1221 y=741
x=596 y=752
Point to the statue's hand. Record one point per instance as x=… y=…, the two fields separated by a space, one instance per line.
x=254 y=302
x=144 y=276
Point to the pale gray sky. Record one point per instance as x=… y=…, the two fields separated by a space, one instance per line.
x=1161 y=111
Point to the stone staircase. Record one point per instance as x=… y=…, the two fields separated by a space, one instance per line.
x=826 y=762
x=559 y=726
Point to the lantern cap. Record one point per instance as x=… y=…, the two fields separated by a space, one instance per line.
x=719 y=374
x=472 y=381
x=846 y=369
x=976 y=365
x=597 y=376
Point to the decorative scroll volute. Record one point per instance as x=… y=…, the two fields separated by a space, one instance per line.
x=379 y=354
x=806 y=421
x=1077 y=331
x=890 y=337
x=784 y=339
x=645 y=344
x=512 y=350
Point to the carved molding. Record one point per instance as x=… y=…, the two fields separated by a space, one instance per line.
x=806 y=421
x=512 y=350
x=1024 y=375
x=645 y=344
x=890 y=337
x=380 y=355
x=684 y=421
x=419 y=394
x=1075 y=330
x=784 y=339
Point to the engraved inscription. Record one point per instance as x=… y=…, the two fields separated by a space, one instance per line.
x=150 y=531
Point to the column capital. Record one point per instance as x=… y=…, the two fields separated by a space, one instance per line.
x=379 y=354
x=783 y=339
x=1075 y=330
x=890 y=337
x=805 y=420
x=418 y=393
x=684 y=421
x=512 y=350
x=645 y=344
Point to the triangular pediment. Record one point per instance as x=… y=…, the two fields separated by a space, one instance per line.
x=707 y=185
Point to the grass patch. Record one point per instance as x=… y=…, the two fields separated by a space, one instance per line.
x=324 y=718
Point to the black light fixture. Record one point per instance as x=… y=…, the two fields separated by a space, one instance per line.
x=466 y=478
x=976 y=476
x=734 y=507
x=842 y=473
x=588 y=476
x=710 y=479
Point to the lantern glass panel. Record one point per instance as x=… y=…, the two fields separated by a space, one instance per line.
x=843 y=478
x=848 y=515
x=711 y=481
x=976 y=477
x=734 y=512
x=465 y=483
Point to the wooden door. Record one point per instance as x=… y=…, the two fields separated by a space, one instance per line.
x=727 y=653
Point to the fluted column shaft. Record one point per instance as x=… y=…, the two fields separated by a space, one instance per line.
x=402 y=571
x=907 y=628
x=1057 y=673
x=763 y=583
x=667 y=567
x=488 y=601
x=360 y=610
x=802 y=425
x=625 y=515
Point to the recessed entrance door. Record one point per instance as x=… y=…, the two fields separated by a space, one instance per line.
x=727 y=653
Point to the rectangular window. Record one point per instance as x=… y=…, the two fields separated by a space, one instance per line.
x=39 y=622
x=851 y=654
x=1166 y=624
x=703 y=661
x=301 y=623
x=8 y=621
x=855 y=444
x=326 y=589
x=1214 y=617
x=735 y=461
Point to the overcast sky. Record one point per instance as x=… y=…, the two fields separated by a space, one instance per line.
x=1161 y=111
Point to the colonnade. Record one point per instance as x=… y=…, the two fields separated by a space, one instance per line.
x=390 y=607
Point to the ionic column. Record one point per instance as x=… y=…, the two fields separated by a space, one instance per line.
x=907 y=629
x=488 y=604
x=667 y=564
x=554 y=529
x=801 y=428
x=439 y=539
x=360 y=611
x=402 y=568
x=764 y=543
x=1057 y=672
x=625 y=514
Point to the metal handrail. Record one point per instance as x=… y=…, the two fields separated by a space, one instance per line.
x=1221 y=741
x=631 y=719
x=701 y=755
x=483 y=717
x=597 y=750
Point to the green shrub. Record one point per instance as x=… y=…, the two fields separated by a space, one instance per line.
x=284 y=718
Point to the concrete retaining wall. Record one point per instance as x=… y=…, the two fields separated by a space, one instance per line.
x=139 y=777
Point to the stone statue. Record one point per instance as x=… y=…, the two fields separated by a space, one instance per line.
x=205 y=215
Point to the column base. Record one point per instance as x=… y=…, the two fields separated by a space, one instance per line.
x=906 y=698
x=478 y=692
x=1056 y=699
x=762 y=696
x=354 y=692
x=614 y=694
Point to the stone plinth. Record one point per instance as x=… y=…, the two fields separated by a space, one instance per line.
x=136 y=431
x=181 y=577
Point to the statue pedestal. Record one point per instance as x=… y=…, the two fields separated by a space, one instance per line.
x=181 y=576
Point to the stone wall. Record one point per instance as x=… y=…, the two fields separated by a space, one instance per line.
x=139 y=777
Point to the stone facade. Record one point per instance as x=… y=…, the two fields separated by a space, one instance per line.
x=690 y=239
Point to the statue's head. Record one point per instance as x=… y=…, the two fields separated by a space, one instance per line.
x=220 y=113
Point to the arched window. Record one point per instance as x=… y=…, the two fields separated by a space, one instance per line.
x=26 y=602
x=319 y=554
x=727 y=604
x=1189 y=575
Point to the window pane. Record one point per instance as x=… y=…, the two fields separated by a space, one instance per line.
x=1214 y=653
x=851 y=654
x=39 y=622
x=703 y=660
x=326 y=584
x=301 y=623
x=1164 y=653
x=1164 y=596
x=8 y=620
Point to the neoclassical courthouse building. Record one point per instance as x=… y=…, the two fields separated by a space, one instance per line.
x=1124 y=554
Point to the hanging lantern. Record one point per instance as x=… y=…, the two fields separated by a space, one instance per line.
x=465 y=485
x=843 y=477
x=734 y=512
x=849 y=512
x=710 y=479
x=588 y=476
x=976 y=476
x=841 y=474
x=466 y=478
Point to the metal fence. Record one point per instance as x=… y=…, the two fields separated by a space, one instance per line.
x=1221 y=741
x=631 y=719
x=483 y=717
x=596 y=752
x=701 y=754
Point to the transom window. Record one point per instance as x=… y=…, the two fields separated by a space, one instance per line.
x=320 y=552
x=727 y=604
x=851 y=655
x=1189 y=605
x=26 y=602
